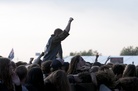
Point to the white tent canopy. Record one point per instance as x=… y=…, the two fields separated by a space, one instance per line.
x=102 y=59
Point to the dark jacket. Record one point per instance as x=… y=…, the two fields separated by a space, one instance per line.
x=54 y=47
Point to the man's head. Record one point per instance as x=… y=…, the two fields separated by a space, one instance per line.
x=57 y=31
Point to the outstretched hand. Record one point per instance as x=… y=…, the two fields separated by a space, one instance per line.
x=71 y=19
x=97 y=55
x=67 y=29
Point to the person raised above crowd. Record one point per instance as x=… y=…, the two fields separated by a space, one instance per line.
x=53 y=47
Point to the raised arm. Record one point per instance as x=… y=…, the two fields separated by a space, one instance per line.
x=38 y=59
x=96 y=59
x=67 y=29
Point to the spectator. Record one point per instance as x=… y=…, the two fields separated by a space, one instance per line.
x=129 y=71
x=53 y=47
x=57 y=81
x=9 y=81
x=46 y=66
x=105 y=77
x=76 y=65
x=21 y=71
x=128 y=84
x=118 y=70
x=34 y=80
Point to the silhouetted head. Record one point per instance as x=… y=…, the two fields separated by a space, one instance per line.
x=6 y=71
x=105 y=77
x=128 y=84
x=76 y=64
x=57 y=64
x=35 y=78
x=129 y=71
x=57 y=31
x=46 y=65
x=59 y=79
x=118 y=70
x=21 y=71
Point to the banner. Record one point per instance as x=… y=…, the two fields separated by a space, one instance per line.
x=116 y=60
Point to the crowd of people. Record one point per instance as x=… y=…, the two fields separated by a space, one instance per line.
x=52 y=73
x=57 y=75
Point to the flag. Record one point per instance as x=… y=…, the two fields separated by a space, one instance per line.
x=11 y=55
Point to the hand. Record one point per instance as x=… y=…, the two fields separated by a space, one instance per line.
x=31 y=59
x=42 y=54
x=71 y=19
x=97 y=55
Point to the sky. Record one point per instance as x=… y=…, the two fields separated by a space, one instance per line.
x=106 y=26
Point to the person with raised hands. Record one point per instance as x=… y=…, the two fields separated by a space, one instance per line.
x=53 y=47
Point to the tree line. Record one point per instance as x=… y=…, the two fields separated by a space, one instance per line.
x=126 y=51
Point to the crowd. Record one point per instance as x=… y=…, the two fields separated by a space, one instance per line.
x=57 y=75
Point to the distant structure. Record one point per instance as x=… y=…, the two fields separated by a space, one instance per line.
x=113 y=59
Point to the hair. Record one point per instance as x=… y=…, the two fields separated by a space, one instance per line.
x=13 y=65
x=85 y=77
x=35 y=78
x=94 y=69
x=57 y=31
x=59 y=79
x=104 y=67
x=45 y=66
x=65 y=66
x=55 y=65
x=21 y=71
x=128 y=83
x=130 y=71
x=73 y=65
x=106 y=77
x=33 y=65
x=110 y=64
x=5 y=74
x=20 y=63
x=118 y=70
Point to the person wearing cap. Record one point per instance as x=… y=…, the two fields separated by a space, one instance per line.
x=53 y=47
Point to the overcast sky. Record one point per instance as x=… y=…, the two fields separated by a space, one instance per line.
x=103 y=25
